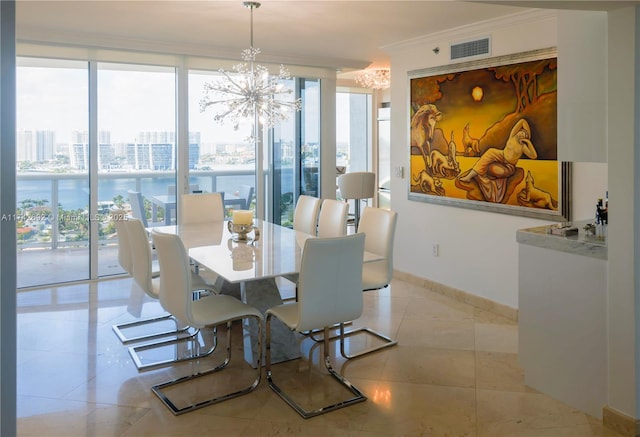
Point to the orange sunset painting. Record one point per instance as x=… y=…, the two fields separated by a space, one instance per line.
x=487 y=135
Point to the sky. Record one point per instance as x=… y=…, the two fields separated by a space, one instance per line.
x=128 y=102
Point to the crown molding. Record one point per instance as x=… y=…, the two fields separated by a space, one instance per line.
x=113 y=42
x=459 y=33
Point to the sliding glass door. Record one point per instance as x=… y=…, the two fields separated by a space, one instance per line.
x=63 y=219
x=221 y=158
x=52 y=211
x=136 y=150
x=295 y=157
x=353 y=133
x=99 y=137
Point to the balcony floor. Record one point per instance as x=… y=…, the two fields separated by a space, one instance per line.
x=36 y=267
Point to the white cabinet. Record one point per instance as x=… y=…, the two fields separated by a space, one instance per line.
x=582 y=86
x=562 y=311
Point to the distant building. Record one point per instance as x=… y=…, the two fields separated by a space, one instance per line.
x=79 y=150
x=35 y=146
x=162 y=156
x=79 y=155
x=152 y=150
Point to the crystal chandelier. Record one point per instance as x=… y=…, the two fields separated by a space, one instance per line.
x=376 y=78
x=250 y=93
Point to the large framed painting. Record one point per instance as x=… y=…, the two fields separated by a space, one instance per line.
x=484 y=136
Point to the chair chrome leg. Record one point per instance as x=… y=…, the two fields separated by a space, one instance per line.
x=135 y=350
x=388 y=341
x=157 y=389
x=312 y=336
x=119 y=329
x=306 y=414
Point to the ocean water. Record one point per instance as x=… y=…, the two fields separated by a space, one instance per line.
x=74 y=194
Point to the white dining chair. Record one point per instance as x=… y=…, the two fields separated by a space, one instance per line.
x=125 y=258
x=357 y=186
x=305 y=216
x=136 y=200
x=305 y=219
x=125 y=255
x=207 y=312
x=332 y=219
x=171 y=189
x=201 y=208
x=144 y=276
x=329 y=293
x=379 y=227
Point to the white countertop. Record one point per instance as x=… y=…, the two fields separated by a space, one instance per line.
x=594 y=246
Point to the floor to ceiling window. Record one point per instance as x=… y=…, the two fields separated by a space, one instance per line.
x=136 y=148
x=52 y=181
x=294 y=158
x=221 y=159
x=353 y=132
x=310 y=138
x=93 y=136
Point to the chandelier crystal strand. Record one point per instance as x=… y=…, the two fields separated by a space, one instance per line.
x=250 y=93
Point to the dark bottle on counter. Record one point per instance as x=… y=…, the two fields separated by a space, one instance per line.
x=602 y=213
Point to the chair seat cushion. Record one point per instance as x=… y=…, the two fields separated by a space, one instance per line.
x=374 y=275
x=217 y=309
x=287 y=313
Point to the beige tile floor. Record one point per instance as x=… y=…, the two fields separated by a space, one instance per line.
x=454 y=373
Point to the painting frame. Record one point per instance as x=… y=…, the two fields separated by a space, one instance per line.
x=510 y=165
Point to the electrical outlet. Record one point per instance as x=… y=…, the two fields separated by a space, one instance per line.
x=435 y=249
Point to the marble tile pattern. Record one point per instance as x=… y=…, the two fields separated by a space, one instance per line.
x=454 y=373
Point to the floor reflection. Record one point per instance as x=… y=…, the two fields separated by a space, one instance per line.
x=449 y=375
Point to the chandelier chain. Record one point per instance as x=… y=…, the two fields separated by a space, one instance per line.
x=250 y=93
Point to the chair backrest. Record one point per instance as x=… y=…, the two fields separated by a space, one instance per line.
x=379 y=225
x=124 y=245
x=332 y=220
x=330 y=281
x=171 y=189
x=357 y=185
x=175 y=276
x=305 y=216
x=246 y=193
x=137 y=206
x=141 y=254
x=201 y=208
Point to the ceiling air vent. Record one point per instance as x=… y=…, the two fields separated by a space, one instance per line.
x=470 y=48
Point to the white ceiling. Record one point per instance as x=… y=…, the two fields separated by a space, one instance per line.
x=347 y=35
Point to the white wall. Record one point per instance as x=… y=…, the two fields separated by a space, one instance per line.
x=623 y=288
x=478 y=250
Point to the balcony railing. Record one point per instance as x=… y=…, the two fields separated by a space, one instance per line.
x=208 y=180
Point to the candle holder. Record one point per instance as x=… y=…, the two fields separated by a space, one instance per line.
x=241 y=231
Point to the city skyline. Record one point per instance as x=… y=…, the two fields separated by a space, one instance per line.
x=55 y=98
